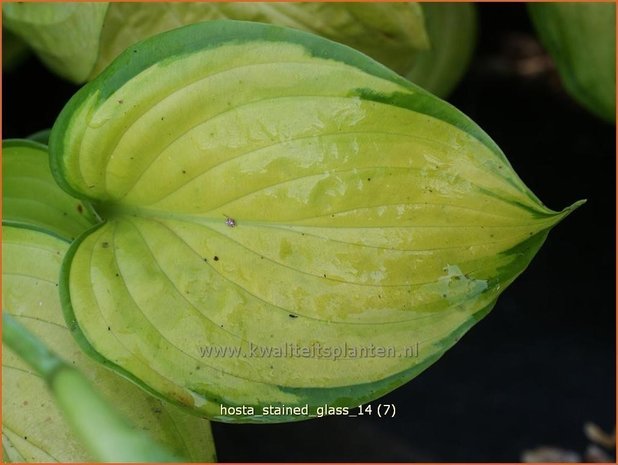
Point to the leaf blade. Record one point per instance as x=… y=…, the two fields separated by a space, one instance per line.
x=31 y=196
x=280 y=202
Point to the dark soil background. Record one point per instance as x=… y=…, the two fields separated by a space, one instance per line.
x=543 y=362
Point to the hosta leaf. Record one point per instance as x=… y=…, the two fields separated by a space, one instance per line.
x=451 y=28
x=41 y=136
x=264 y=187
x=32 y=197
x=14 y=50
x=108 y=436
x=429 y=43
x=390 y=32
x=64 y=35
x=33 y=429
x=581 y=38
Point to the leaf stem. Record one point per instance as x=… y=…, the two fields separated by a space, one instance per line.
x=107 y=435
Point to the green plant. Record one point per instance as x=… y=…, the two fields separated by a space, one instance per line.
x=39 y=221
x=432 y=46
x=234 y=185
x=365 y=211
x=14 y=50
x=581 y=37
x=451 y=28
x=106 y=434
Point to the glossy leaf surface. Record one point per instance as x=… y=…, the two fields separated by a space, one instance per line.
x=265 y=188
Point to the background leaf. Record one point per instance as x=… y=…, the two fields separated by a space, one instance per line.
x=14 y=50
x=30 y=275
x=581 y=38
x=41 y=136
x=451 y=28
x=107 y=435
x=31 y=196
x=392 y=33
x=432 y=43
x=64 y=35
x=79 y=40
x=33 y=428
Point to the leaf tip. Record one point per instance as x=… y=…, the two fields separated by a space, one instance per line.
x=574 y=207
x=568 y=210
